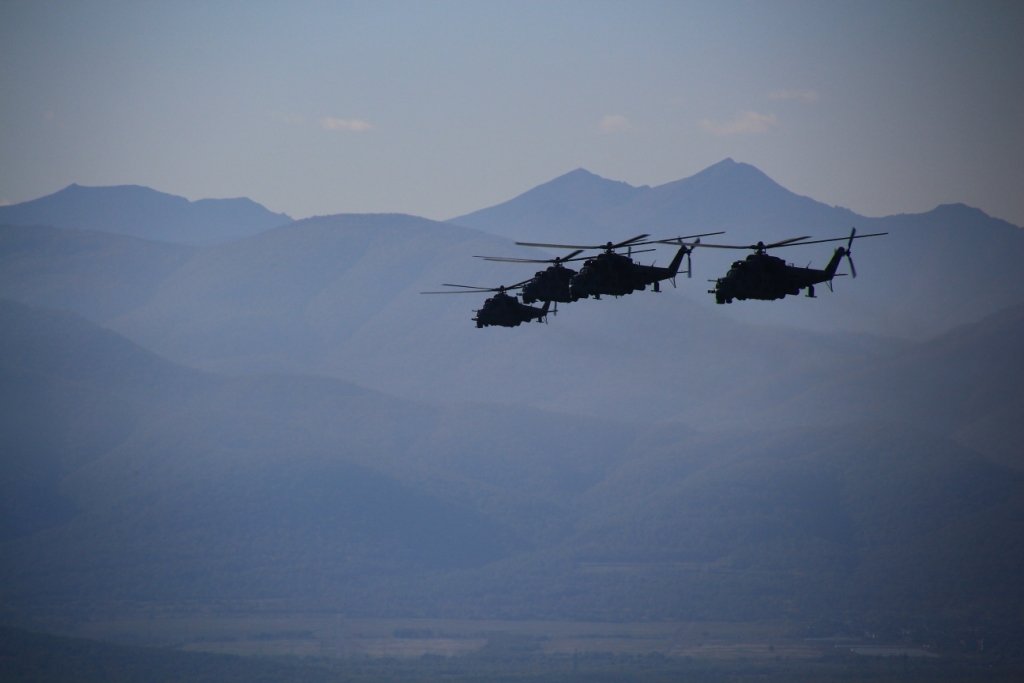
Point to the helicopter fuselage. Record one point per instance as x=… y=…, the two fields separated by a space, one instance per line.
x=765 y=277
x=504 y=310
x=550 y=284
x=617 y=275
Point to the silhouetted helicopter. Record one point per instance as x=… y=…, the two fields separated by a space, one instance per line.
x=615 y=274
x=765 y=277
x=550 y=284
x=501 y=309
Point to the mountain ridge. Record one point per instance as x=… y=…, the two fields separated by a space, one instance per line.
x=321 y=434
x=314 y=491
x=140 y=211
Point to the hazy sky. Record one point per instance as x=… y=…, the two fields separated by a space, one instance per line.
x=441 y=108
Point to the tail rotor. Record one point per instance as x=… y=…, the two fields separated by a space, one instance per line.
x=849 y=258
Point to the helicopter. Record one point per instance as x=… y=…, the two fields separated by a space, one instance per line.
x=502 y=309
x=616 y=274
x=765 y=277
x=550 y=284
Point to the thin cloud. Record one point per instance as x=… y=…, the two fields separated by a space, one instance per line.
x=745 y=123
x=806 y=96
x=289 y=119
x=346 y=125
x=614 y=123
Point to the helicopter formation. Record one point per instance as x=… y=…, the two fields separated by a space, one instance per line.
x=758 y=276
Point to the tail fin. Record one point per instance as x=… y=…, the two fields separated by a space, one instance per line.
x=833 y=265
x=673 y=267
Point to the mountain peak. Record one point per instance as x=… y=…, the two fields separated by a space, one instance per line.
x=143 y=212
x=567 y=207
x=733 y=171
x=579 y=172
x=960 y=209
x=582 y=178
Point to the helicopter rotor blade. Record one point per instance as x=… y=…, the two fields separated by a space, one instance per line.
x=848 y=239
x=460 y=291
x=782 y=243
x=793 y=242
x=513 y=259
x=760 y=245
x=681 y=240
x=624 y=243
x=607 y=245
x=473 y=289
x=560 y=246
x=849 y=258
x=481 y=289
x=571 y=256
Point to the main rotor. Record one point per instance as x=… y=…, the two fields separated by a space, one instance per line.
x=473 y=289
x=761 y=247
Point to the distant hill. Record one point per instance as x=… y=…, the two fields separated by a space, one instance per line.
x=933 y=271
x=97 y=274
x=726 y=196
x=141 y=212
x=572 y=207
x=185 y=486
x=202 y=462
x=340 y=295
x=284 y=416
x=964 y=385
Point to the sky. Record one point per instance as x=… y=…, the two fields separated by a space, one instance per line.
x=441 y=108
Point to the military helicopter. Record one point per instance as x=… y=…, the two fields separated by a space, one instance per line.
x=502 y=309
x=617 y=274
x=765 y=277
x=550 y=284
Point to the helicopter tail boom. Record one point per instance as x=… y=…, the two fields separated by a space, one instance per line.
x=833 y=264
x=677 y=260
x=542 y=315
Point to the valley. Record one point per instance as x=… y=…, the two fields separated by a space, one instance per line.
x=272 y=447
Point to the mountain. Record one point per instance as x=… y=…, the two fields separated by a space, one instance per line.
x=187 y=486
x=932 y=271
x=284 y=417
x=870 y=514
x=198 y=484
x=141 y=212
x=582 y=207
x=341 y=296
x=964 y=385
x=97 y=274
x=291 y=296
x=571 y=207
